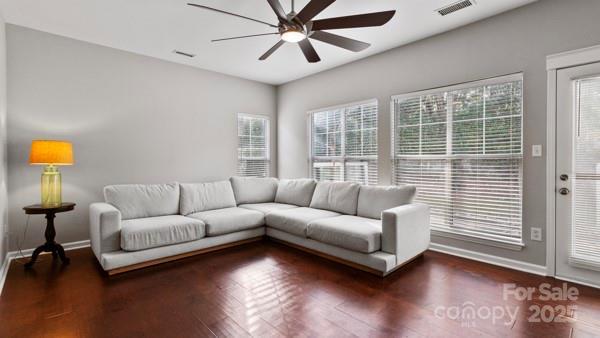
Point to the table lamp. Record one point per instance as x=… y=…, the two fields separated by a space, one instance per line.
x=51 y=154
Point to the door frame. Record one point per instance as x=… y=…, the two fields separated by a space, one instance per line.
x=554 y=63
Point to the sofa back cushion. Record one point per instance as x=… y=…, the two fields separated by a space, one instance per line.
x=373 y=200
x=197 y=197
x=143 y=200
x=297 y=192
x=248 y=190
x=336 y=196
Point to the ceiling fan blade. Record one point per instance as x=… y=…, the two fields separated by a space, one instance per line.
x=276 y=5
x=272 y=50
x=340 y=41
x=233 y=14
x=354 y=21
x=313 y=9
x=309 y=51
x=243 y=37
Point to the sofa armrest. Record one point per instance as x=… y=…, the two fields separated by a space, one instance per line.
x=105 y=228
x=405 y=231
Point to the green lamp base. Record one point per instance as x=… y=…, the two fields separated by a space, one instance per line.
x=51 y=187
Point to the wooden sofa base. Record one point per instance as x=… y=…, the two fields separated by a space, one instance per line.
x=181 y=256
x=343 y=261
x=251 y=240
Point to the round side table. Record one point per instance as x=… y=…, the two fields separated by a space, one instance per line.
x=50 y=245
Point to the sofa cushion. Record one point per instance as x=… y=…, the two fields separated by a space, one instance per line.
x=372 y=200
x=199 y=197
x=266 y=208
x=336 y=196
x=145 y=233
x=297 y=192
x=228 y=220
x=249 y=190
x=295 y=221
x=143 y=200
x=348 y=232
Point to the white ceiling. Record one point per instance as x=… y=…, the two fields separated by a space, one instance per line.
x=157 y=27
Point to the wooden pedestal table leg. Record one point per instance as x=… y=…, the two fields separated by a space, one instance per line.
x=50 y=245
x=61 y=253
x=35 y=255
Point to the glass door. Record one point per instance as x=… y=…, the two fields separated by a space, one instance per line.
x=578 y=174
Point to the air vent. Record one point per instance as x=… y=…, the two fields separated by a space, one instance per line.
x=457 y=6
x=190 y=55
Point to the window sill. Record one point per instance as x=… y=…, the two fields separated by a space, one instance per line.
x=515 y=246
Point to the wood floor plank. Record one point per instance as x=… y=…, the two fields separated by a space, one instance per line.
x=266 y=289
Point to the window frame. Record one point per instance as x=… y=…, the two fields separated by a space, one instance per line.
x=340 y=159
x=460 y=234
x=267 y=133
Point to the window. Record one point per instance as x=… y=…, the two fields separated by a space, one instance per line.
x=344 y=143
x=253 y=145
x=462 y=147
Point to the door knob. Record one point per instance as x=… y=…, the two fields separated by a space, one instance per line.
x=563 y=191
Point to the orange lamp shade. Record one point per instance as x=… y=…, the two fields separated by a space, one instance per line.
x=46 y=152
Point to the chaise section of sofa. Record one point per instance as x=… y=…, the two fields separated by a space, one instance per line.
x=345 y=222
x=376 y=229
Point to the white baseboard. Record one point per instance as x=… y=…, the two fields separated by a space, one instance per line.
x=66 y=246
x=4 y=271
x=28 y=252
x=495 y=260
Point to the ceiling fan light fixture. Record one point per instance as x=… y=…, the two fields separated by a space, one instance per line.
x=293 y=36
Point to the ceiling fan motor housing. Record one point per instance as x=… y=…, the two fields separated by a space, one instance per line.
x=291 y=27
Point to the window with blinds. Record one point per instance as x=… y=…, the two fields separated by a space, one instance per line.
x=462 y=147
x=585 y=231
x=344 y=143
x=253 y=146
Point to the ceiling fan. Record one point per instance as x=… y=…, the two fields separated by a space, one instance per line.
x=299 y=27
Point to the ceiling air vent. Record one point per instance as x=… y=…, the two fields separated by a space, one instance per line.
x=457 y=6
x=190 y=55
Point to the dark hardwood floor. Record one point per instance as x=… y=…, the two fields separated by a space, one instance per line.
x=266 y=289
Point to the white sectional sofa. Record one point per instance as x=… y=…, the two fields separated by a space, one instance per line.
x=376 y=229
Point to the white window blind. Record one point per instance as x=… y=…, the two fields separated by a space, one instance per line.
x=253 y=146
x=344 y=143
x=462 y=147
x=585 y=229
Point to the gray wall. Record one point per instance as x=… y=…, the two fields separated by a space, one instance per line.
x=512 y=42
x=132 y=119
x=3 y=196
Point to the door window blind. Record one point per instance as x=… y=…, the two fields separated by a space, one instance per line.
x=585 y=229
x=461 y=147
x=344 y=143
x=253 y=146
